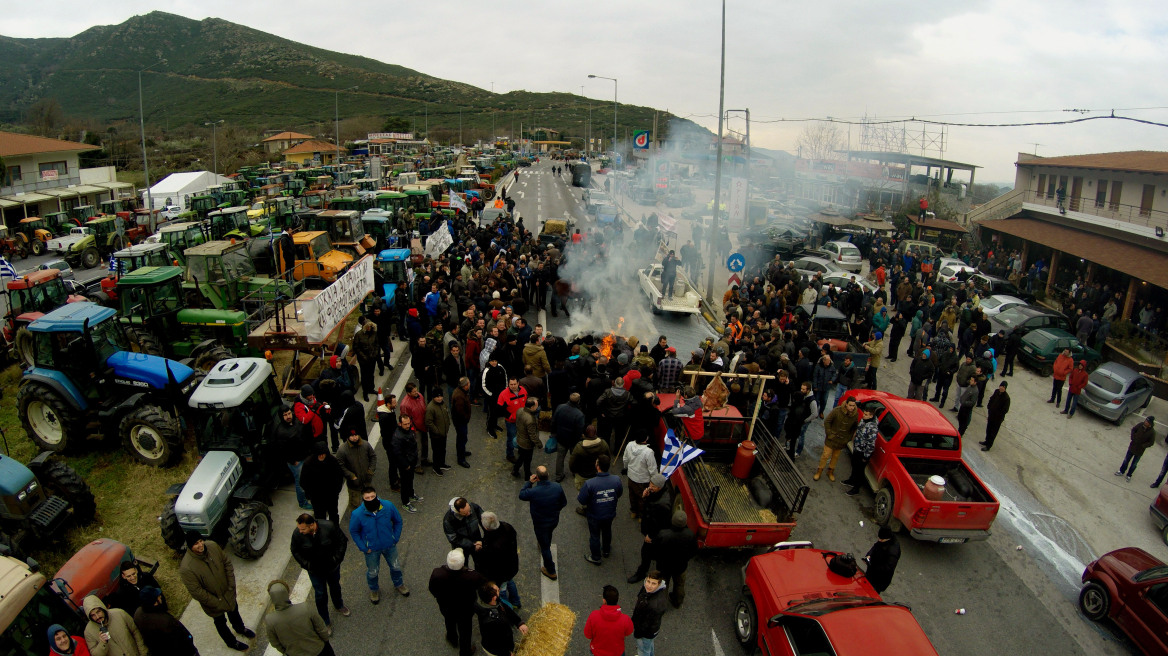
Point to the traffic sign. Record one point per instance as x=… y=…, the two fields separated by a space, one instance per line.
x=734 y=280
x=736 y=262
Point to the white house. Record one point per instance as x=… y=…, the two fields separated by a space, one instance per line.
x=177 y=188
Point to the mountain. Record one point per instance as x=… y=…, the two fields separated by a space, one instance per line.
x=216 y=69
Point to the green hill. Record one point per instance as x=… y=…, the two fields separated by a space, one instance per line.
x=216 y=69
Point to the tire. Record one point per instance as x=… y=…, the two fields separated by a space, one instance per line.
x=90 y=258
x=48 y=419
x=23 y=349
x=883 y=510
x=118 y=242
x=101 y=298
x=1094 y=601
x=172 y=533
x=152 y=436
x=62 y=481
x=746 y=623
x=1046 y=371
x=1123 y=415
x=250 y=532
x=653 y=309
x=206 y=360
x=144 y=341
x=38 y=247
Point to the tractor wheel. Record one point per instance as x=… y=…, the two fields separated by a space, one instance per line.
x=250 y=532
x=23 y=349
x=63 y=481
x=152 y=436
x=212 y=356
x=118 y=242
x=143 y=341
x=90 y=258
x=21 y=251
x=38 y=247
x=101 y=298
x=172 y=533
x=47 y=418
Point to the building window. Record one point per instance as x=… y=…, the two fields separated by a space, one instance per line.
x=54 y=170
x=1146 y=200
x=1101 y=193
x=1041 y=184
x=1116 y=192
x=12 y=175
x=1051 y=186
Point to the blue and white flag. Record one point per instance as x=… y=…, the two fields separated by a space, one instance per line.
x=6 y=270
x=115 y=265
x=676 y=454
x=456 y=202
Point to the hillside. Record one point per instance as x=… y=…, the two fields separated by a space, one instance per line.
x=216 y=69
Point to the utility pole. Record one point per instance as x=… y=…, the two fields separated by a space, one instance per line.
x=460 y=126
x=142 y=127
x=717 y=216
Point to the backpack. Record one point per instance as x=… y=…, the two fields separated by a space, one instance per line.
x=843 y=564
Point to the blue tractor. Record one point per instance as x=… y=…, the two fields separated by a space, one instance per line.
x=39 y=501
x=392 y=270
x=85 y=381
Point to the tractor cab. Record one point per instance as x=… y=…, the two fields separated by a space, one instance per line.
x=113 y=207
x=345 y=230
x=394 y=269
x=202 y=204
x=31 y=296
x=418 y=201
x=347 y=203
x=143 y=255
x=180 y=236
x=314 y=200
x=83 y=213
x=213 y=270
x=233 y=197
x=380 y=229
x=59 y=223
x=391 y=202
x=234 y=406
x=316 y=257
x=34 y=233
x=294 y=187
x=232 y=223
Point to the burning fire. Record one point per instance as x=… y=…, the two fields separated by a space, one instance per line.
x=609 y=339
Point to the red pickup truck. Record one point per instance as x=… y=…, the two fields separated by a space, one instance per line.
x=917 y=442
x=792 y=604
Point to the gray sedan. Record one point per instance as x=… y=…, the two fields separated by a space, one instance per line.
x=1114 y=391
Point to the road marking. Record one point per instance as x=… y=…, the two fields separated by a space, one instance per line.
x=549 y=589
x=717 y=645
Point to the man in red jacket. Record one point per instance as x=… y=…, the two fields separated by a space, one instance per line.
x=1061 y=369
x=511 y=400
x=1077 y=381
x=308 y=412
x=607 y=627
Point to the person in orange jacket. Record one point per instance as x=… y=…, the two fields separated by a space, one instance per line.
x=1077 y=380
x=1062 y=368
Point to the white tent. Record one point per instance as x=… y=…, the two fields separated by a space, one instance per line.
x=176 y=188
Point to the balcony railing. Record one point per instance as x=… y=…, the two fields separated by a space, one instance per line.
x=29 y=185
x=1134 y=214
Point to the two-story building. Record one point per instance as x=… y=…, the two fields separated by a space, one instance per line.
x=281 y=141
x=314 y=152
x=42 y=175
x=1100 y=219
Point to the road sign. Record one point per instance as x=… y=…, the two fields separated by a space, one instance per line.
x=734 y=280
x=736 y=263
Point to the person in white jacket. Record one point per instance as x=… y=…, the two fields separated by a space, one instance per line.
x=641 y=464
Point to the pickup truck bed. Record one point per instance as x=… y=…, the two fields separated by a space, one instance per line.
x=959 y=487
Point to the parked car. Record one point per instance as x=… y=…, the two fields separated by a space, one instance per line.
x=793 y=603
x=955 y=273
x=924 y=248
x=844 y=254
x=809 y=266
x=59 y=265
x=987 y=285
x=1114 y=391
x=1027 y=318
x=1159 y=512
x=170 y=212
x=1040 y=348
x=1130 y=586
x=842 y=280
x=994 y=305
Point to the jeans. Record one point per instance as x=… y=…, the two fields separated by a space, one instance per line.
x=460 y=442
x=236 y=623
x=405 y=474
x=645 y=646
x=941 y=392
x=960 y=391
x=1072 y=403
x=512 y=433
x=795 y=444
x=821 y=400
x=322 y=586
x=301 y=499
x=543 y=537
x=599 y=537
x=524 y=460
x=1056 y=392
x=562 y=452
x=859 y=463
x=1163 y=471
x=779 y=420
x=509 y=593
x=438 y=449
x=837 y=395
x=373 y=566
x=1135 y=460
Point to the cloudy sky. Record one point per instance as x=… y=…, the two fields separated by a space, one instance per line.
x=978 y=61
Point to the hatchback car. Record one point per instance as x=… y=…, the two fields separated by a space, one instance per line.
x=809 y=266
x=1027 y=318
x=994 y=305
x=1040 y=348
x=59 y=265
x=987 y=285
x=1114 y=391
x=844 y=254
x=1130 y=586
x=842 y=280
x=955 y=273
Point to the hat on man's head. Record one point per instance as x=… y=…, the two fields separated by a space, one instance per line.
x=191 y=538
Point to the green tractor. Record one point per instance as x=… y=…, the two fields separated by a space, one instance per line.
x=221 y=274
x=83 y=213
x=85 y=246
x=59 y=223
x=232 y=223
x=180 y=236
x=232 y=198
x=85 y=381
x=136 y=257
x=295 y=188
x=202 y=205
x=151 y=306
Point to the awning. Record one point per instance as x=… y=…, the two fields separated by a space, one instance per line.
x=5 y=204
x=62 y=192
x=90 y=189
x=936 y=224
x=30 y=197
x=114 y=185
x=840 y=221
x=1136 y=261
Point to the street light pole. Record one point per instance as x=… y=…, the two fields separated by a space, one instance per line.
x=616 y=86
x=717 y=215
x=214 y=145
x=142 y=128
x=337 y=118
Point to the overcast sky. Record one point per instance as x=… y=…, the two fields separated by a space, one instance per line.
x=978 y=61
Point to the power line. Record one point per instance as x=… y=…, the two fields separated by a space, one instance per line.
x=967 y=125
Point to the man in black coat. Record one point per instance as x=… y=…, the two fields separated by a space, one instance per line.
x=319 y=547
x=404 y=446
x=882 y=559
x=499 y=558
x=656 y=516
x=676 y=546
x=322 y=480
x=162 y=633
x=128 y=596
x=547 y=499
x=996 y=409
x=454 y=588
x=462 y=525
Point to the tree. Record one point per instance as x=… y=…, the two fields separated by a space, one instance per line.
x=396 y=124
x=820 y=140
x=45 y=115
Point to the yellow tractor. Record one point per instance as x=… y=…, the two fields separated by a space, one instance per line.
x=34 y=234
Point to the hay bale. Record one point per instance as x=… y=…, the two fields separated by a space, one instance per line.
x=549 y=631
x=767 y=516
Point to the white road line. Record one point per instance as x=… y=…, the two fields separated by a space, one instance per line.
x=550 y=590
x=717 y=645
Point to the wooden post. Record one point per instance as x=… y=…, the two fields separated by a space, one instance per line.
x=1090 y=273
x=1129 y=301
x=1054 y=260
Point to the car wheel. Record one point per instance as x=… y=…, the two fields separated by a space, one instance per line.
x=1123 y=415
x=883 y=507
x=1164 y=533
x=1094 y=601
x=746 y=623
x=1046 y=371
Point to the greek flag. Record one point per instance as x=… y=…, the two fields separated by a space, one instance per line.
x=115 y=266
x=676 y=454
x=6 y=270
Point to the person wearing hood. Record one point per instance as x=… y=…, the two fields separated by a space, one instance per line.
x=207 y=573
x=607 y=627
x=651 y=605
x=1143 y=435
x=463 y=527
x=162 y=633
x=111 y=632
x=880 y=320
x=376 y=527
x=322 y=479
x=535 y=356
x=295 y=440
x=613 y=407
x=920 y=372
x=1077 y=381
x=896 y=335
x=63 y=644
x=496 y=621
x=319 y=547
x=295 y=629
x=455 y=587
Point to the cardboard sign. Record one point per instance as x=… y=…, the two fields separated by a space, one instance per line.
x=323 y=313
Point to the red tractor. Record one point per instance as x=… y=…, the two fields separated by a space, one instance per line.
x=30 y=297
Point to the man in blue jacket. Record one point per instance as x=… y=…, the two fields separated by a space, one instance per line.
x=599 y=496
x=547 y=500
x=376 y=527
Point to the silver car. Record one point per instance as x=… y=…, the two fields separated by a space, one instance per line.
x=1114 y=391
x=994 y=305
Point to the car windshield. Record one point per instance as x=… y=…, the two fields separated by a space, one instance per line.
x=849 y=250
x=108 y=339
x=1040 y=340
x=839 y=601
x=991 y=303
x=1105 y=382
x=320 y=246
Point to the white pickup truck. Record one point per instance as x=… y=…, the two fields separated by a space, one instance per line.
x=685 y=298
